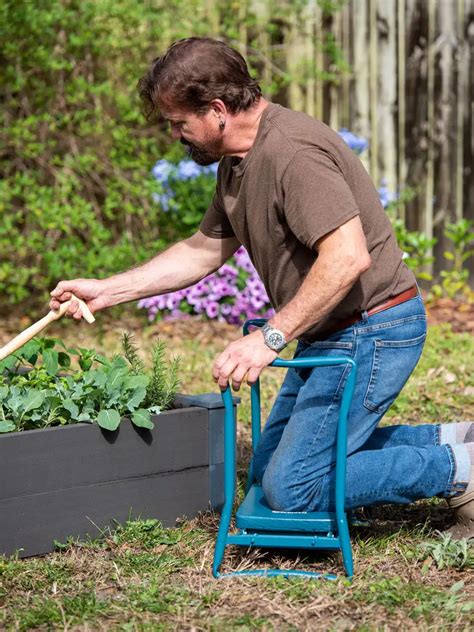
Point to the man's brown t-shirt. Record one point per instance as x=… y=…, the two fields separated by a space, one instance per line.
x=298 y=182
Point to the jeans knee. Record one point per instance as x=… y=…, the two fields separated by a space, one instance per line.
x=283 y=493
x=277 y=491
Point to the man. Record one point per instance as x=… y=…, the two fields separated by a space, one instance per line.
x=291 y=191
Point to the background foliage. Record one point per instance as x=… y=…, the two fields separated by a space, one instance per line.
x=76 y=192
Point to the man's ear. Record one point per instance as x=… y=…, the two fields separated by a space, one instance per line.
x=218 y=108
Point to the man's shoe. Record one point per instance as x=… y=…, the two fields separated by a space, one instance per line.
x=465 y=497
x=463 y=526
x=463 y=505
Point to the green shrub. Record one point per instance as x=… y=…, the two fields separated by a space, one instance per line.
x=76 y=190
x=454 y=281
x=76 y=193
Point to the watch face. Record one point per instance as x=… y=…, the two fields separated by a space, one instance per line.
x=275 y=340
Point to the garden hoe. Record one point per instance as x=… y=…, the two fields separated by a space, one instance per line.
x=35 y=328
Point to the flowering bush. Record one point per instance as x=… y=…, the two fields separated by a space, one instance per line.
x=235 y=292
x=183 y=192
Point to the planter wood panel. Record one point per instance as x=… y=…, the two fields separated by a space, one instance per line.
x=76 y=480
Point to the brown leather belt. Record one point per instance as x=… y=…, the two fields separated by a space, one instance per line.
x=390 y=302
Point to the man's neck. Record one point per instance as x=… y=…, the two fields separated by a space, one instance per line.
x=243 y=130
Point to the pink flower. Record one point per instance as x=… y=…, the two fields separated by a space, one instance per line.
x=212 y=309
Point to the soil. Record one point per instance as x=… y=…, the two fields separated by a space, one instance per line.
x=460 y=315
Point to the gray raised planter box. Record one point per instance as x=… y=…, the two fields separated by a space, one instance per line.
x=73 y=481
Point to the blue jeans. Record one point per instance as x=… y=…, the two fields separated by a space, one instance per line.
x=295 y=458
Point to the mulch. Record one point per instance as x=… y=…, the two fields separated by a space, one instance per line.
x=459 y=315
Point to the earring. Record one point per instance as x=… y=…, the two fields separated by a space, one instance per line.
x=221 y=124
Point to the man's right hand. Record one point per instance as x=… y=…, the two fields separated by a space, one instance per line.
x=92 y=291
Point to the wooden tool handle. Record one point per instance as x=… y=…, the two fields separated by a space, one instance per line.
x=86 y=312
x=34 y=329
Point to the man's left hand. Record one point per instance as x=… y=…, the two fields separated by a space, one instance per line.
x=244 y=358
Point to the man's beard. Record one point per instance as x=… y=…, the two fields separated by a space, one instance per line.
x=200 y=156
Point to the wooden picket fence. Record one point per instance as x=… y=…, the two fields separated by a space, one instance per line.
x=408 y=88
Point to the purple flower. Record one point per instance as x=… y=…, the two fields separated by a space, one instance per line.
x=212 y=309
x=162 y=170
x=211 y=168
x=188 y=170
x=228 y=270
x=257 y=303
x=226 y=309
x=386 y=196
x=356 y=143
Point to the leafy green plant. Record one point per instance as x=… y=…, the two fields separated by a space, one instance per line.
x=148 y=534
x=455 y=279
x=449 y=553
x=394 y=593
x=50 y=392
x=418 y=248
x=415 y=244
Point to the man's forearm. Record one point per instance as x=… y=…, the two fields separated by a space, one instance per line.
x=326 y=284
x=342 y=258
x=178 y=267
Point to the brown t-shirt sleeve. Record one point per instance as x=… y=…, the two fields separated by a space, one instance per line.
x=316 y=197
x=215 y=222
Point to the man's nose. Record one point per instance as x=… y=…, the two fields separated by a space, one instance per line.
x=175 y=133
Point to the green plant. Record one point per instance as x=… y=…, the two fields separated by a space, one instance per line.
x=146 y=534
x=455 y=280
x=449 y=553
x=418 y=248
x=394 y=593
x=130 y=352
x=163 y=378
x=163 y=383
x=99 y=391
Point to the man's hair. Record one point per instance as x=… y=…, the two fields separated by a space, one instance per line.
x=192 y=73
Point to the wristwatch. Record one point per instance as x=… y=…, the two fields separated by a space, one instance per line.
x=274 y=338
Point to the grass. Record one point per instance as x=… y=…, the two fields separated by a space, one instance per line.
x=140 y=576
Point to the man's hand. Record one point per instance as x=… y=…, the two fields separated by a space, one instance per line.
x=89 y=290
x=244 y=358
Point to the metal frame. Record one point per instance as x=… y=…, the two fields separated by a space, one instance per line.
x=285 y=539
